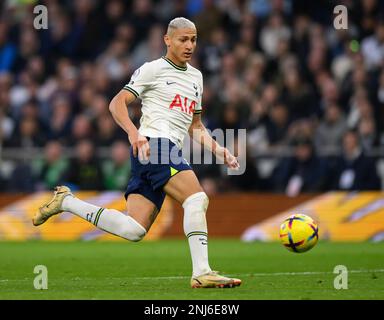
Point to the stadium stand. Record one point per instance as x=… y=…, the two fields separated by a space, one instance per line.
x=311 y=97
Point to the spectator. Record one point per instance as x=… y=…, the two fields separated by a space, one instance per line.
x=107 y=132
x=27 y=135
x=142 y=18
x=49 y=170
x=98 y=107
x=115 y=60
x=59 y=40
x=81 y=129
x=29 y=46
x=250 y=180
x=86 y=94
x=355 y=171
x=367 y=134
x=59 y=124
x=298 y=96
x=6 y=126
x=84 y=171
x=303 y=172
x=366 y=14
x=329 y=133
x=114 y=15
x=212 y=53
x=277 y=124
x=361 y=108
x=373 y=47
x=22 y=179
x=380 y=101
x=116 y=171
x=230 y=118
x=274 y=32
x=208 y=19
x=257 y=126
x=87 y=28
x=149 y=49
x=7 y=49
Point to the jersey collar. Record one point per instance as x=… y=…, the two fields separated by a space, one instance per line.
x=174 y=65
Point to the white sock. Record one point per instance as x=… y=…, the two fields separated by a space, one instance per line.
x=109 y=220
x=195 y=228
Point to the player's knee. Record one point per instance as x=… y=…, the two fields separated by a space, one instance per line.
x=135 y=237
x=133 y=231
x=198 y=201
x=203 y=200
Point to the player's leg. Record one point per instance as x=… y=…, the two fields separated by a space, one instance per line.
x=142 y=210
x=110 y=220
x=185 y=188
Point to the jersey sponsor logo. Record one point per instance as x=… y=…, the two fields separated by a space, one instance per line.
x=170 y=82
x=183 y=103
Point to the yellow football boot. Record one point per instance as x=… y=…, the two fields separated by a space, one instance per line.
x=214 y=280
x=52 y=207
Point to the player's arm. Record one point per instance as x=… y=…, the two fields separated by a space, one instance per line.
x=119 y=110
x=198 y=133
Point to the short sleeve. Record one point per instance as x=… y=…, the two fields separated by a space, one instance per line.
x=141 y=80
x=199 y=108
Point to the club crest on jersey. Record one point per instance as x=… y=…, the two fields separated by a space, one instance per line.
x=183 y=103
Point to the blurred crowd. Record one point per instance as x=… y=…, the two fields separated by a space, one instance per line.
x=311 y=97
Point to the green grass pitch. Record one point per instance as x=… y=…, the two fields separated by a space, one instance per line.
x=161 y=270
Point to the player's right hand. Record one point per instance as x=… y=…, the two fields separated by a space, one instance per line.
x=229 y=159
x=140 y=147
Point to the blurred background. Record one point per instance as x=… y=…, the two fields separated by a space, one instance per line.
x=311 y=97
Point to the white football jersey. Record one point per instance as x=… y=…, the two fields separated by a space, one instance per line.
x=170 y=96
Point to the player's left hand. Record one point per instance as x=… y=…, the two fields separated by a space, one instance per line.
x=229 y=159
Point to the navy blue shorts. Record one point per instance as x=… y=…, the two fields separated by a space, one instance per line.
x=148 y=178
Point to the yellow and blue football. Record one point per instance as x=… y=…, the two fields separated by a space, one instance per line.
x=299 y=233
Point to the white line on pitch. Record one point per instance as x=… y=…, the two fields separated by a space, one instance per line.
x=269 y=274
x=304 y=273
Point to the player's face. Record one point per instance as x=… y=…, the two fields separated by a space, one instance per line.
x=181 y=44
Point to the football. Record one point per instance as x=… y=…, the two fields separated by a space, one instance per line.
x=299 y=233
